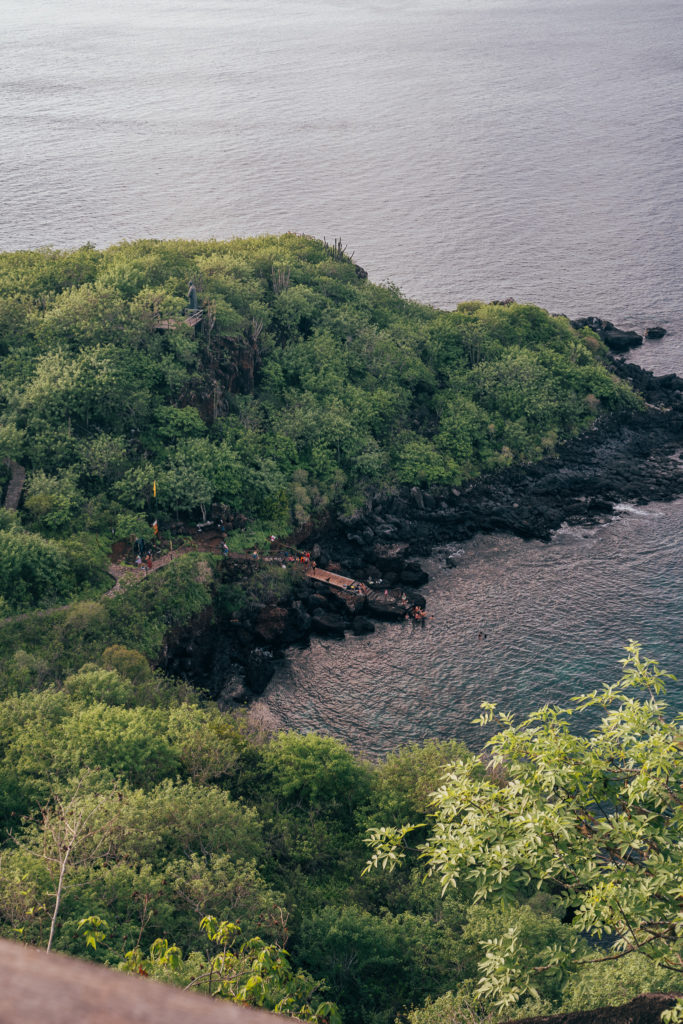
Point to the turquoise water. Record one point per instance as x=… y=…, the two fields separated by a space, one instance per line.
x=461 y=148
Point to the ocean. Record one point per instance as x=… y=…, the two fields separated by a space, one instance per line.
x=461 y=149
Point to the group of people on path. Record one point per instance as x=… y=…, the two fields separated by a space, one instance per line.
x=143 y=557
x=143 y=553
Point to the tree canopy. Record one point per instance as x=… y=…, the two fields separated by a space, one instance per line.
x=593 y=820
x=304 y=384
x=548 y=876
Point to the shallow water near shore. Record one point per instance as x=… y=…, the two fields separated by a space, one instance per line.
x=555 y=618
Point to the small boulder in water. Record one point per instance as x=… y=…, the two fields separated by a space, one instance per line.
x=621 y=341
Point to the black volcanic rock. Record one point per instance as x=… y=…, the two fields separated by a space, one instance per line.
x=387 y=605
x=621 y=341
x=328 y=625
x=628 y=457
x=413 y=575
x=655 y=332
x=615 y=339
x=417 y=497
x=361 y=624
x=259 y=670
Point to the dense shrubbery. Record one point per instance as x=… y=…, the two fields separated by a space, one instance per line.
x=304 y=383
x=46 y=646
x=122 y=799
x=156 y=812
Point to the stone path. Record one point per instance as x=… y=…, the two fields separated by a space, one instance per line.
x=124 y=574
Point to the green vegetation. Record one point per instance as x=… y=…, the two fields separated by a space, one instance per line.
x=130 y=812
x=304 y=384
x=43 y=647
x=255 y=973
x=304 y=387
x=591 y=823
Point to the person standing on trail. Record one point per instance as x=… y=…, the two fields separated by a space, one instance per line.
x=225 y=550
x=148 y=560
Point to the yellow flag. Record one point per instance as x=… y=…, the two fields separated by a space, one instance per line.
x=154 y=488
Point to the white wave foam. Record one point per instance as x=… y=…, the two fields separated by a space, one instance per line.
x=634 y=510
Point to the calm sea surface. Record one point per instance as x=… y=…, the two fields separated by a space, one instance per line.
x=462 y=149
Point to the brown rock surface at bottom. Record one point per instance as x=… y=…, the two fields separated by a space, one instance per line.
x=41 y=988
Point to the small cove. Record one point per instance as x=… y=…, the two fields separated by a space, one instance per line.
x=555 y=617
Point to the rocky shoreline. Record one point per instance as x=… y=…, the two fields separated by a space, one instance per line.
x=633 y=457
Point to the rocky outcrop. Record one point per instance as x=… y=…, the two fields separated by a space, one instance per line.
x=655 y=332
x=328 y=624
x=259 y=669
x=615 y=339
x=623 y=458
x=15 y=485
x=388 y=605
x=362 y=625
x=40 y=988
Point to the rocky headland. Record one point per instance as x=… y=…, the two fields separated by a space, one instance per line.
x=631 y=457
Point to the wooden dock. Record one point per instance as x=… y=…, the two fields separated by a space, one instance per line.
x=333 y=579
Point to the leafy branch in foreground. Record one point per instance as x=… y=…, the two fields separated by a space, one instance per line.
x=596 y=821
x=255 y=972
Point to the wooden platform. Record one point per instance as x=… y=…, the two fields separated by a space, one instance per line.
x=335 y=580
